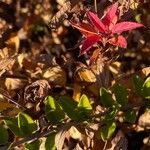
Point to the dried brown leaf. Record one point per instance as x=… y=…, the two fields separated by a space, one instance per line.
x=37 y=91
x=55 y=75
x=144 y=120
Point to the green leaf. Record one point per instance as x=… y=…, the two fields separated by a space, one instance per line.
x=120 y=94
x=146 y=88
x=69 y=106
x=106 y=98
x=3 y=135
x=112 y=114
x=53 y=111
x=130 y=116
x=108 y=130
x=26 y=124
x=84 y=107
x=33 y=146
x=50 y=142
x=138 y=85
x=12 y=124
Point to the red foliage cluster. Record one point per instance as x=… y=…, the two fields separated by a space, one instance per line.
x=105 y=30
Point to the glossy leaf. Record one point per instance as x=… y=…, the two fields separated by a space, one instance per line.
x=3 y=135
x=96 y=22
x=50 y=142
x=146 y=88
x=88 y=43
x=120 y=94
x=84 y=107
x=138 y=85
x=106 y=98
x=26 y=124
x=108 y=130
x=125 y=26
x=53 y=111
x=69 y=107
x=84 y=103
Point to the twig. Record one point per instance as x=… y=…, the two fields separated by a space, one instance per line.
x=105 y=145
x=32 y=138
x=95 y=5
x=11 y=100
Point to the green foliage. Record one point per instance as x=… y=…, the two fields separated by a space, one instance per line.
x=38 y=28
x=112 y=113
x=130 y=116
x=84 y=107
x=69 y=106
x=33 y=145
x=142 y=88
x=12 y=124
x=3 y=135
x=50 y=142
x=53 y=111
x=146 y=88
x=21 y=126
x=107 y=130
x=26 y=124
x=106 y=97
x=138 y=85
x=120 y=94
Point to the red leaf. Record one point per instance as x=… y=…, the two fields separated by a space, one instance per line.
x=96 y=22
x=88 y=43
x=111 y=13
x=118 y=41
x=84 y=28
x=125 y=26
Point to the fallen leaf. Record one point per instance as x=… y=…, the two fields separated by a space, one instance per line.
x=14 y=83
x=13 y=43
x=37 y=91
x=144 y=120
x=55 y=75
x=74 y=133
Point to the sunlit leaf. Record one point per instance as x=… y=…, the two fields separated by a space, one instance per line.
x=118 y=41
x=96 y=21
x=146 y=88
x=111 y=13
x=53 y=111
x=108 y=130
x=84 y=107
x=26 y=124
x=125 y=26
x=84 y=103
